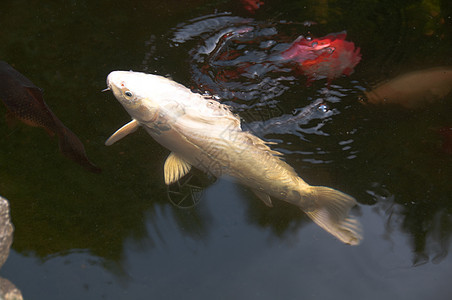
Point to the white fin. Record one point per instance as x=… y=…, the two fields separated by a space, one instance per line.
x=329 y=209
x=175 y=168
x=264 y=197
x=130 y=127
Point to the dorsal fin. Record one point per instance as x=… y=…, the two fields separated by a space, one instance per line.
x=210 y=111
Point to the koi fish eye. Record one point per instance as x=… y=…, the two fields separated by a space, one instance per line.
x=128 y=94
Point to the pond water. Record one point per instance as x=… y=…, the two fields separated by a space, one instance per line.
x=115 y=235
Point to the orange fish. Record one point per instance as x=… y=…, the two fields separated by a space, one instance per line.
x=327 y=57
x=252 y=5
x=24 y=101
x=414 y=90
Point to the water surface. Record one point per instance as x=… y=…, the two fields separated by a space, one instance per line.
x=115 y=235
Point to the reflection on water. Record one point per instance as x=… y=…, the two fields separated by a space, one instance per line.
x=117 y=233
x=411 y=184
x=430 y=228
x=234 y=58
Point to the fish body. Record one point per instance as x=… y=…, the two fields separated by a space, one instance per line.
x=413 y=90
x=204 y=133
x=446 y=133
x=25 y=102
x=329 y=57
x=252 y=5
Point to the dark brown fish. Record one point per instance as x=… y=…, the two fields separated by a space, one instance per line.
x=24 y=101
x=446 y=133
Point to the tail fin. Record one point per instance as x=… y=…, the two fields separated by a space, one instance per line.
x=330 y=210
x=72 y=147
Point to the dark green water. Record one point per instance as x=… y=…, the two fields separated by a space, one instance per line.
x=115 y=235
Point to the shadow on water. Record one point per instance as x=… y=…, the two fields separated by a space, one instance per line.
x=386 y=157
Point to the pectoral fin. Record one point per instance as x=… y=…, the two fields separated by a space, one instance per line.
x=35 y=92
x=175 y=168
x=264 y=197
x=130 y=127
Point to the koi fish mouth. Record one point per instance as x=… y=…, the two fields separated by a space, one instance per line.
x=118 y=87
x=112 y=82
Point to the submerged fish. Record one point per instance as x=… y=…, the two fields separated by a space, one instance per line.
x=446 y=133
x=205 y=134
x=24 y=101
x=329 y=57
x=415 y=89
x=252 y=5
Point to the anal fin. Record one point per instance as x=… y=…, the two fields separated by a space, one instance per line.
x=264 y=197
x=175 y=168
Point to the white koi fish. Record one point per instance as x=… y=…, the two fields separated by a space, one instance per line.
x=204 y=133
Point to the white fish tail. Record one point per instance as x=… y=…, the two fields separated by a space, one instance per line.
x=329 y=209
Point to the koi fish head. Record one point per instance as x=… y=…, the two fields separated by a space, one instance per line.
x=142 y=95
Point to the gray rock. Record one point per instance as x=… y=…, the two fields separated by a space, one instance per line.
x=7 y=290
x=6 y=230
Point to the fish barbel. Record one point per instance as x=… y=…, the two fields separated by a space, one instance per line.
x=205 y=134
